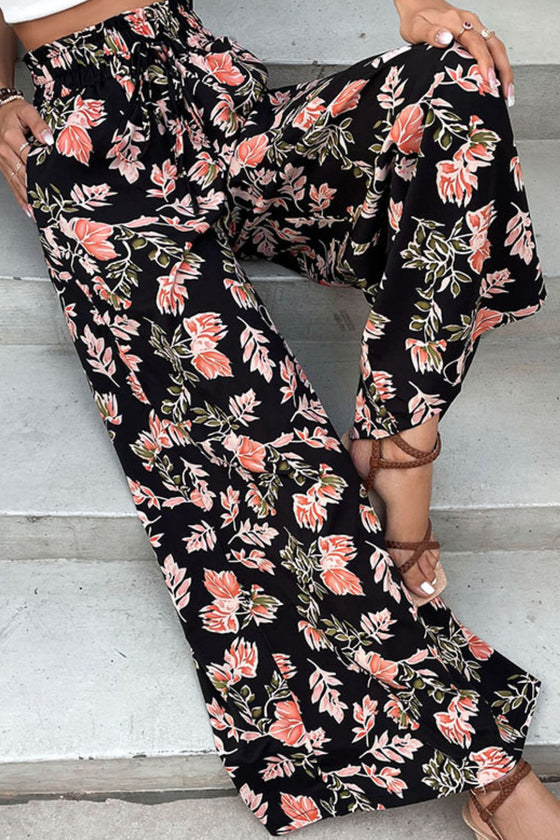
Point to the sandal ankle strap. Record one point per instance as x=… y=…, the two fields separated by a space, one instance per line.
x=505 y=787
x=418 y=548
x=419 y=457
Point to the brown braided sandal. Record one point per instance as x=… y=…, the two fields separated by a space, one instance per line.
x=418 y=548
x=506 y=786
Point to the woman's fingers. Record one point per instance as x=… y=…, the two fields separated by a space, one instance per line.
x=501 y=61
x=17 y=119
x=13 y=169
x=30 y=119
x=440 y=28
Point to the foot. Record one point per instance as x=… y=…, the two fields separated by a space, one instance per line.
x=406 y=495
x=530 y=812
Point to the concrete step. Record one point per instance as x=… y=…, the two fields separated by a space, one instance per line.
x=347 y=31
x=497 y=481
x=99 y=692
x=203 y=819
x=21 y=255
x=30 y=311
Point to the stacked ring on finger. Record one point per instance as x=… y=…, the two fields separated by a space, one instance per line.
x=15 y=171
x=466 y=25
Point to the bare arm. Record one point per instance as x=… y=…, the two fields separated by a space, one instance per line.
x=8 y=48
x=423 y=20
x=16 y=119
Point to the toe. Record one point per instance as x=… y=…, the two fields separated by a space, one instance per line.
x=421 y=578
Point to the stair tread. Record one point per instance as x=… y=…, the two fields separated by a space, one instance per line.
x=97 y=665
x=206 y=818
x=30 y=311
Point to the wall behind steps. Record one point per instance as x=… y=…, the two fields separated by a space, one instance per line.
x=343 y=31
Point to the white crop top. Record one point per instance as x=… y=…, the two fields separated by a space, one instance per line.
x=16 y=11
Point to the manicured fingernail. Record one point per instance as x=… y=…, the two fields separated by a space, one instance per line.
x=492 y=79
x=427 y=588
x=47 y=137
x=27 y=211
x=510 y=95
x=444 y=36
x=434 y=581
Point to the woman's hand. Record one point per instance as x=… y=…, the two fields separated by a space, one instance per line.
x=437 y=22
x=17 y=118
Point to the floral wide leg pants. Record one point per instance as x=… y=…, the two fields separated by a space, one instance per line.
x=327 y=691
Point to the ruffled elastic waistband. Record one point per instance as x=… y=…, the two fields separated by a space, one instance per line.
x=109 y=42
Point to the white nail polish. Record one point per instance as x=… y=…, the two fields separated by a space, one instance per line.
x=427 y=588
x=444 y=36
x=434 y=581
x=511 y=96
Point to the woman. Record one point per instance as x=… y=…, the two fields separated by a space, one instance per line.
x=154 y=156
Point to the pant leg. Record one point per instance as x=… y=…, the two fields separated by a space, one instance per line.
x=400 y=176
x=327 y=691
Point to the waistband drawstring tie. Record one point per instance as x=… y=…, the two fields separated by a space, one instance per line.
x=142 y=57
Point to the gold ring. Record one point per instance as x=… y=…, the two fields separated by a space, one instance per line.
x=487 y=33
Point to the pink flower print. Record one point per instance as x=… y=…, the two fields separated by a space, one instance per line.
x=348 y=98
x=221 y=615
x=426 y=355
x=520 y=235
x=310 y=113
x=479 y=649
x=249 y=453
x=408 y=129
x=479 y=221
x=302 y=810
x=249 y=153
x=453 y=724
x=493 y=763
x=486 y=319
x=205 y=330
x=74 y=139
x=288 y=726
x=94 y=237
x=336 y=551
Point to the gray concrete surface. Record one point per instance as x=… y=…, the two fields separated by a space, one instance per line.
x=211 y=819
x=95 y=666
x=21 y=255
x=341 y=32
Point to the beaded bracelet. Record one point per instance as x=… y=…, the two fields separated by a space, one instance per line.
x=9 y=94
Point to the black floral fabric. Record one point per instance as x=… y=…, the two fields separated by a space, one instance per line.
x=327 y=690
